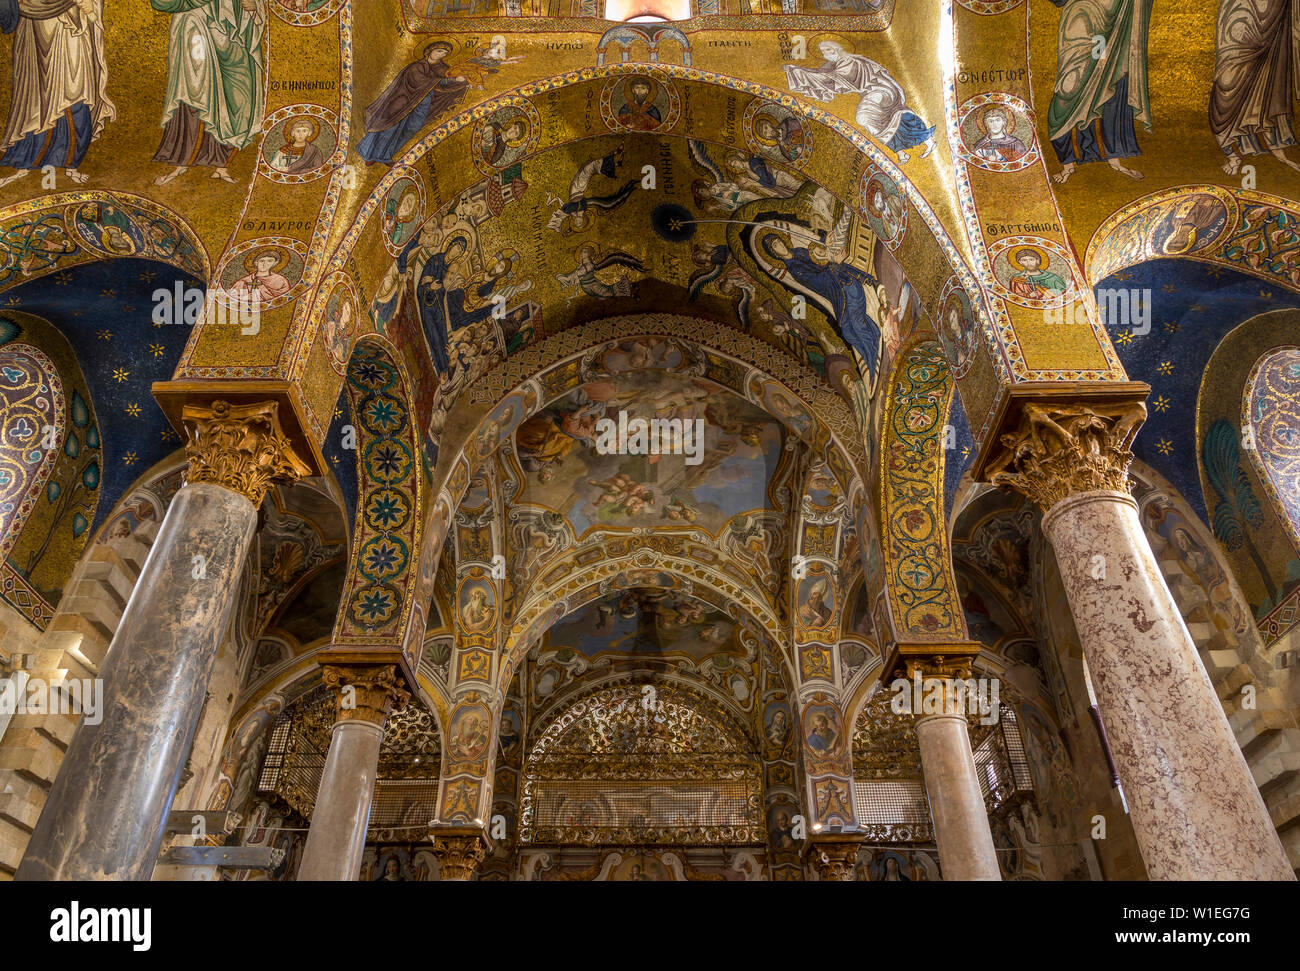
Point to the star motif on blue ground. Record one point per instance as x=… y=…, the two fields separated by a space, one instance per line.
x=387 y=510
x=388 y=461
x=384 y=415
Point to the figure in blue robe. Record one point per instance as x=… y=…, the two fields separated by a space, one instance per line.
x=842 y=286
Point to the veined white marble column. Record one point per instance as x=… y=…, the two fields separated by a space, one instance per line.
x=1195 y=808
x=961 y=823
x=106 y=812
x=337 y=837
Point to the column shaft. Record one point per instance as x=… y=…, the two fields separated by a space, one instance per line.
x=106 y=810
x=961 y=824
x=339 y=820
x=1196 y=810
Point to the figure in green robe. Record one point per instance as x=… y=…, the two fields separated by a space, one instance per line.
x=1101 y=84
x=215 y=80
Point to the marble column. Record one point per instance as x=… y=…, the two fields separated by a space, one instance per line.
x=459 y=849
x=106 y=812
x=1195 y=808
x=337 y=837
x=961 y=823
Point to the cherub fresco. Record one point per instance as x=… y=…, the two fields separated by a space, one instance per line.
x=621 y=495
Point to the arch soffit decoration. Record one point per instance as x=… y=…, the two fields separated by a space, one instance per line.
x=916 y=548
x=1269 y=408
x=57 y=232
x=946 y=252
x=592 y=582
x=1220 y=225
x=382 y=601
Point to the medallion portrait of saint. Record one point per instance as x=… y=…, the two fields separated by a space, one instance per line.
x=999 y=142
x=264 y=277
x=638 y=111
x=299 y=154
x=1032 y=276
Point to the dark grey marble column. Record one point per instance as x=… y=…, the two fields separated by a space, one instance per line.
x=337 y=838
x=105 y=814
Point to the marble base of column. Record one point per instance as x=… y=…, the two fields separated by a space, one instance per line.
x=1195 y=808
x=961 y=824
x=337 y=837
x=106 y=811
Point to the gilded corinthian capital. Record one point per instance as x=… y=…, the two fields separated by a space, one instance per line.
x=1062 y=449
x=366 y=693
x=240 y=447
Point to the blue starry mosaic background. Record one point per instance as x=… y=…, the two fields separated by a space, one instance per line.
x=105 y=310
x=1194 y=305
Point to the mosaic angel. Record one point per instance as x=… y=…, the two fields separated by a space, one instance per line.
x=59 y=102
x=584 y=278
x=882 y=109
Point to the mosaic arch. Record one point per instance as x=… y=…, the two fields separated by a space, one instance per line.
x=791 y=393
x=846 y=152
x=1271 y=410
x=650 y=568
x=1250 y=525
x=378 y=606
x=68 y=229
x=32 y=410
x=1239 y=229
x=917 y=558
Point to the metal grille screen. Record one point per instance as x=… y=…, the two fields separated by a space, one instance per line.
x=891 y=802
x=1001 y=762
x=404 y=804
